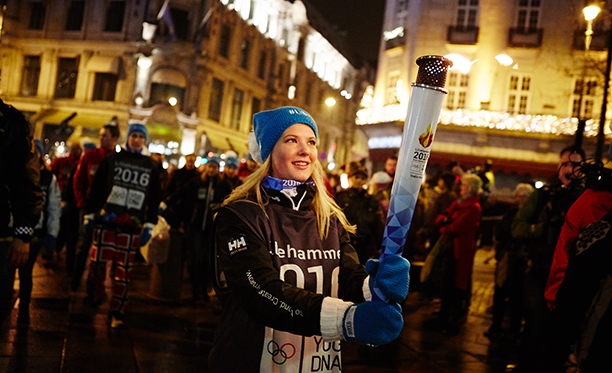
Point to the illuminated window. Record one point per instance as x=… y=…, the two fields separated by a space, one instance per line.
x=114 y=16
x=216 y=100
x=467 y=14
x=392 y=91
x=74 y=20
x=519 y=92
x=67 y=73
x=456 y=84
x=528 y=16
x=31 y=73
x=104 y=87
x=37 y=16
x=583 y=98
x=236 y=109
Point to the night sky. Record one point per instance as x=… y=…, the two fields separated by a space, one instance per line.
x=362 y=21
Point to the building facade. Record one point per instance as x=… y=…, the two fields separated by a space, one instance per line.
x=521 y=79
x=193 y=70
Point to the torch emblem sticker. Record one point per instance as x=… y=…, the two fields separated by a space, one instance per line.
x=426 y=138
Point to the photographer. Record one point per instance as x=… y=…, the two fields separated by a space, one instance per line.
x=536 y=227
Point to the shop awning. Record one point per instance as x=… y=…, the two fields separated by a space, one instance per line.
x=239 y=146
x=215 y=140
x=104 y=64
x=95 y=120
x=169 y=76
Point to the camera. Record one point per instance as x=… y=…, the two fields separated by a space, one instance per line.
x=596 y=176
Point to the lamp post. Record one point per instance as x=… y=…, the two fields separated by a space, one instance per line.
x=590 y=13
x=604 y=103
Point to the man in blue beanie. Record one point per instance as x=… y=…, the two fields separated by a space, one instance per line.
x=137 y=136
x=230 y=172
x=121 y=211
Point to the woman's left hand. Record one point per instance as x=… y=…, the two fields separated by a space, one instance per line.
x=390 y=275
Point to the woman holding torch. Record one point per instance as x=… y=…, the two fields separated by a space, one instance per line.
x=295 y=287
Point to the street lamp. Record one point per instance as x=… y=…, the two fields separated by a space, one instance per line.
x=604 y=103
x=589 y=12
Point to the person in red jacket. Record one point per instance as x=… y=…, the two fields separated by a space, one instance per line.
x=460 y=225
x=62 y=166
x=109 y=135
x=590 y=207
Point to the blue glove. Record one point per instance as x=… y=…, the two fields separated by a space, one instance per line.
x=49 y=242
x=391 y=276
x=372 y=323
x=88 y=223
x=145 y=236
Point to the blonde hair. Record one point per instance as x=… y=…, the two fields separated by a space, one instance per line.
x=323 y=205
x=475 y=183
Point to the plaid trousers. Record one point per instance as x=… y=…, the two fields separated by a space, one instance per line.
x=108 y=244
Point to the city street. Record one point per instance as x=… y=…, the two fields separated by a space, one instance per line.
x=67 y=336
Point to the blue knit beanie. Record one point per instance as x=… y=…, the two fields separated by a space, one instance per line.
x=40 y=147
x=268 y=127
x=232 y=162
x=138 y=127
x=213 y=159
x=88 y=145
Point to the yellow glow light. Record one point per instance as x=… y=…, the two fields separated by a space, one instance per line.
x=172 y=101
x=460 y=63
x=504 y=59
x=330 y=102
x=590 y=12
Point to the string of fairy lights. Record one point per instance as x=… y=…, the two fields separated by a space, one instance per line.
x=541 y=124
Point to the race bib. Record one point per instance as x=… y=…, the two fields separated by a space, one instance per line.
x=287 y=353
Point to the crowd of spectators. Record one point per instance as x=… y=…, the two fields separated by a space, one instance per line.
x=101 y=204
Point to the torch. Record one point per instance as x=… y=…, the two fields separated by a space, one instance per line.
x=419 y=130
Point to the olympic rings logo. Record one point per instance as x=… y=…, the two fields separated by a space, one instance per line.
x=279 y=353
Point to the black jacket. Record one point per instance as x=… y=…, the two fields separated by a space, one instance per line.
x=256 y=250
x=20 y=192
x=126 y=183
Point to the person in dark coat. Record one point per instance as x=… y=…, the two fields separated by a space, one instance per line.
x=508 y=279
x=20 y=195
x=364 y=211
x=205 y=195
x=45 y=234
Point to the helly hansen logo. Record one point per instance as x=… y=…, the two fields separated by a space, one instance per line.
x=237 y=245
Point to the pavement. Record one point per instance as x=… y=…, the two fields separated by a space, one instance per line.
x=66 y=335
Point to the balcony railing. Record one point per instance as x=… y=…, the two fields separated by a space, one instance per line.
x=462 y=35
x=599 y=40
x=521 y=38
